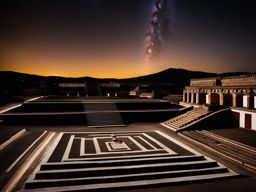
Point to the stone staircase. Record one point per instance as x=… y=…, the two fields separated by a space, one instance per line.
x=103 y=115
x=93 y=88
x=124 y=173
x=181 y=121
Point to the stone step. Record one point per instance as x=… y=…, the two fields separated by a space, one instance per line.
x=149 y=154
x=98 y=118
x=122 y=170
x=104 y=118
x=135 y=184
x=183 y=120
x=123 y=178
x=100 y=106
x=120 y=162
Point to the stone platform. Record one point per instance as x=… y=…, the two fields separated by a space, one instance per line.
x=92 y=161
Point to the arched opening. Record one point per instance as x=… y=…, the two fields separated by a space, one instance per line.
x=185 y=97
x=251 y=102
x=202 y=98
x=228 y=99
x=194 y=97
x=189 y=98
x=215 y=99
x=239 y=100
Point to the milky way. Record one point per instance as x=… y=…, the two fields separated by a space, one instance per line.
x=159 y=28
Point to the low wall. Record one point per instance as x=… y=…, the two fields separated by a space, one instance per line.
x=79 y=118
x=245 y=118
x=81 y=107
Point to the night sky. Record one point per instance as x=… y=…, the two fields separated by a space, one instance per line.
x=106 y=38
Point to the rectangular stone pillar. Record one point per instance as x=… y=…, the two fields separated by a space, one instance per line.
x=234 y=99
x=192 y=97
x=197 y=98
x=221 y=100
x=208 y=99
x=184 y=96
x=246 y=101
x=255 y=102
x=188 y=97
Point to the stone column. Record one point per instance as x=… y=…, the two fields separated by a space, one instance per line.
x=221 y=99
x=192 y=97
x=208 y=98
x=246 y=101
x=188 y=97
x=254 y=101
x=184 y=96
x=197 y=98
x=234 y=99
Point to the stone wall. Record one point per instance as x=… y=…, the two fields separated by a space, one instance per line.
x=83 y=85
x=239 y=80
x=204 y=82
x=242 y=121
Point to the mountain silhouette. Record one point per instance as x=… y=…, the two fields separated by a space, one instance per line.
x=15 y=82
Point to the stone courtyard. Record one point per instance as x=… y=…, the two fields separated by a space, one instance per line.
x=136 y=156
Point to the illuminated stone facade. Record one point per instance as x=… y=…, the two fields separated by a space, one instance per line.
x=236 y=91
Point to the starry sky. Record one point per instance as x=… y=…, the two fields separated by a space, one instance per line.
x=106 y=38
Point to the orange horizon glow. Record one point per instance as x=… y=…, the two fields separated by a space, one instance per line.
x=112 y=64
x=108 y=70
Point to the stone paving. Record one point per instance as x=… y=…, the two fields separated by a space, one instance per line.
x=138 y=157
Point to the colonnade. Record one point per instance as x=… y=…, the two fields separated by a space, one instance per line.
x=222 y=98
